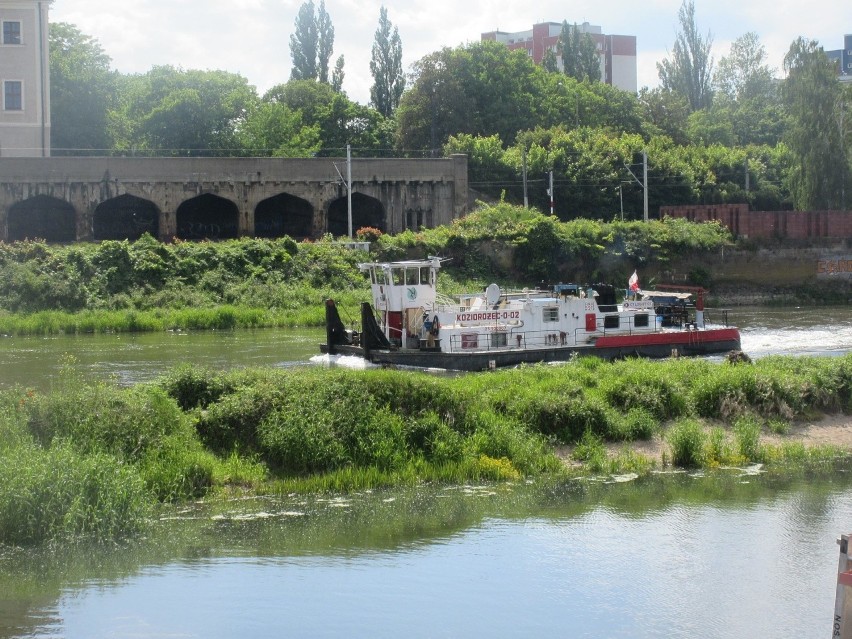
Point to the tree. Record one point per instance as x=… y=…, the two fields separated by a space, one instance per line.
x=549 y=62
x=272 y=129
x=580 y=59
x=177 y=112
x=812 y=95
x=744 y=74
x=386 y=67
x=325 y=42
x=664 y=112
x=82 y=91
x=690 y=68
x=338 y=120
x=337 y=75
x=312 y=43
x=481 y=88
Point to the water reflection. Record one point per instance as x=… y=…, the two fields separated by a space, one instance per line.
x=667 y=555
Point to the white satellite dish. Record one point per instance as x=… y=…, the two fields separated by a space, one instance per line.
x=492 y=294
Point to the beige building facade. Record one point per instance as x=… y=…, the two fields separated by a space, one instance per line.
x=24 y=79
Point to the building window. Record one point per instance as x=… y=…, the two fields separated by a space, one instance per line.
x=11 y=32
x=12 y=96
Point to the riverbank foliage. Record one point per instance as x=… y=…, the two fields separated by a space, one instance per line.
x=94 y=460
x=147 y=285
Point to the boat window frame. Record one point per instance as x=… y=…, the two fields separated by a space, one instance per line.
x=550 y=314
x=612 y=322
x=496 y=341
x=641 y=320
x=397 y=274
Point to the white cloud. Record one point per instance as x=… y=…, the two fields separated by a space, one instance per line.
x=251 y=37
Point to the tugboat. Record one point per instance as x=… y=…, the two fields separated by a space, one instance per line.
x=409 y=323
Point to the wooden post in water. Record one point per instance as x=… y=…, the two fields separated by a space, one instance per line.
x=842 y=626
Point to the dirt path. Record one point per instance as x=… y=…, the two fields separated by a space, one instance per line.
x=831 y=429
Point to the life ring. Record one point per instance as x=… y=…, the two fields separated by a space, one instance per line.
x=436 y=326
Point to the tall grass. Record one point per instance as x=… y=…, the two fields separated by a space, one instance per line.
x=58 y=493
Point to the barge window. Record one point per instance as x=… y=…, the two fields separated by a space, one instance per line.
x=550 y=314
x=380 y=277
x=398 y=275
x=424 y=276
x=640 y=320
x=612 y=321
x=498 y=340
x=412 y=276
x=470 y=340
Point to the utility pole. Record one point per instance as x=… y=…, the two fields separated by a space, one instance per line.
x=550 y=192
x=349 y=187
x=645 y=180
x=524 y=164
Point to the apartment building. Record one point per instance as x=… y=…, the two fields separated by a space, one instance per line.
x=843 y=59
x=24 y=79
x=617 y=52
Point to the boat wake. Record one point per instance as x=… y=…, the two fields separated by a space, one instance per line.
x=816 y=340
x=343 y=361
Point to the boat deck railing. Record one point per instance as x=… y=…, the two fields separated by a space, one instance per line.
x=536 y=340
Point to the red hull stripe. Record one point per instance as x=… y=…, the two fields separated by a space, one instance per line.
x=674 y=338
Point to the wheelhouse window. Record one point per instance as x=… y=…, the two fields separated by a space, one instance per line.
x=550 y=314
x=12 y=95
x=11 y=32
x=640 y=320
x=612 y=321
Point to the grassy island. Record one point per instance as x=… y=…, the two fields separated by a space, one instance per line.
x=95 y=460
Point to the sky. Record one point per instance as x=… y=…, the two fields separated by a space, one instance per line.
x=252 y=37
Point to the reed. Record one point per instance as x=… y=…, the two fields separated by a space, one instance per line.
x=59 y=494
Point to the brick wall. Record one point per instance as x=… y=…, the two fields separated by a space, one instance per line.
x=794 y=225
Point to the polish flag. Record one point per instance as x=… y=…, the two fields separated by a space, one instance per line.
x=633 y=283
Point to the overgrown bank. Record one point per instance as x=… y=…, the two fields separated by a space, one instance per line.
x=148 y=285
x=95 y=460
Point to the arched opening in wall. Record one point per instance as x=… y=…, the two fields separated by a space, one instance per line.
x=366 y=211
x=125 y=217
x=44 y=217
x=207 y=217
x=284 y=214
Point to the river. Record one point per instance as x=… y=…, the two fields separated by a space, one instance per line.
x=729 y=554
x=131 y=358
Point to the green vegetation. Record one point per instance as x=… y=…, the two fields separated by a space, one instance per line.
x=95 y=460
x=149 y=286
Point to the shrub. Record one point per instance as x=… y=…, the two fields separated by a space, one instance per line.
x=747 y=434
x=301 y=443
x=687 y=440
x=102 y=418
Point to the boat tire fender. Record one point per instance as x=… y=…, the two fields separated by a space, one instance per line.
x=436 y=326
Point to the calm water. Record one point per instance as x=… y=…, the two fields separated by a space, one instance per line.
x=730 y=556
x=127 y=359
